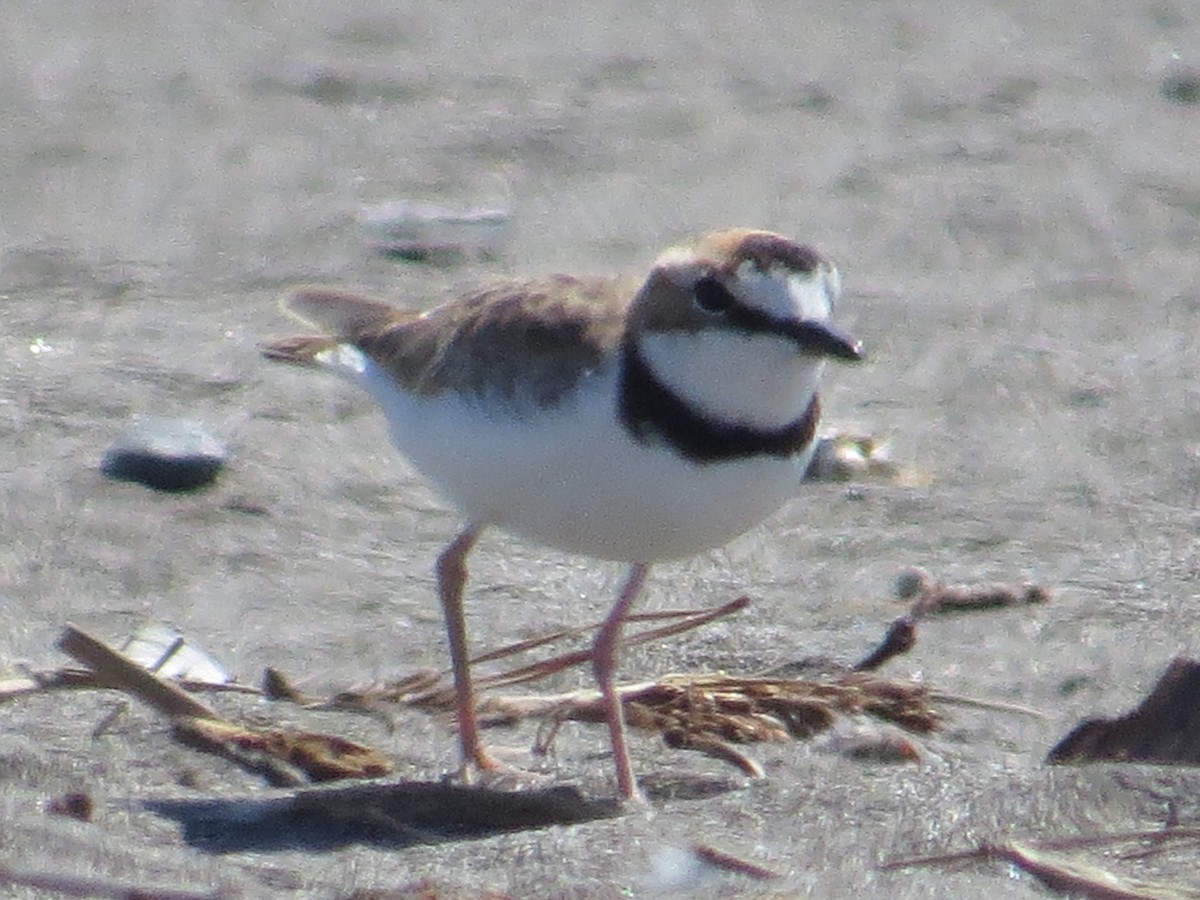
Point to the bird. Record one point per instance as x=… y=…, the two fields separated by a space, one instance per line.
x=622 y=421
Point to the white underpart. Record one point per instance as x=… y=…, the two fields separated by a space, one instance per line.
x=571 y=477
x=756 y=380
x=345 y=360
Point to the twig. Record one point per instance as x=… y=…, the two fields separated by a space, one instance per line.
x=72 y=886
x=114 y=670
x=901 y=637
x=1046 y=862
x=931 y=597
x=692 y=619
x=729 y=863
x=990 y=705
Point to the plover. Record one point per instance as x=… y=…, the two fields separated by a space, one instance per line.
x=622 y=422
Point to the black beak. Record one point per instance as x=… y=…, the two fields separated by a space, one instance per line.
x=822 y=339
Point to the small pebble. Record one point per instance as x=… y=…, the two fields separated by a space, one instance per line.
x=73 y=805
x=426 y=232
x=166 y=454
x=1182 y=86
x=911 y=581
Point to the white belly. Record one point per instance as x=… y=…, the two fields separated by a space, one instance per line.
x=573 y=479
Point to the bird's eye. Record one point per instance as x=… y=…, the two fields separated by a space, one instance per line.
x=712 y=296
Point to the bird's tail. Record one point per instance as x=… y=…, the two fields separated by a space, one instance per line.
x=340 y=314
x=343 y=317
x=300 y=351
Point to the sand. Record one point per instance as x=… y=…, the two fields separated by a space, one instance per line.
x=1010 y=192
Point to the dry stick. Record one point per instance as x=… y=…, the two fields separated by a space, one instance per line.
x=730 y=863
x=931 y=596
x=678 y=739
x=114 y=670
x=1085 y=880
x=534 y=671
x=1022 y=853
x=901 y=637
x=990 y=705
x=72 y=886
x=702 y=617
x=68 y=678
x=691 y=619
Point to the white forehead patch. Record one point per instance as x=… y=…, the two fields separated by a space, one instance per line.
x=784 y=293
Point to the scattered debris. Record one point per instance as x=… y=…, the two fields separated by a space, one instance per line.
x=846 y=455
x=1182 y=85
x=166 y=454
x=274 y=752
x=711 y=713
x=73 y=805
x=901 y=637
x=724 y=861
x=932 y=597
x=708 y=713
x=426 y=232
x=1049 y=864
x=77 y=886
x=1165 y=728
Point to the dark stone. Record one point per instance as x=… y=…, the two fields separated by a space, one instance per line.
x=166 y=454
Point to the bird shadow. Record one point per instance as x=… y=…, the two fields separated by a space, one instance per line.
x=399 y=815
x=390 y=815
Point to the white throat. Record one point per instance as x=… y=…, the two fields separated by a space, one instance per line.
x=759 y=381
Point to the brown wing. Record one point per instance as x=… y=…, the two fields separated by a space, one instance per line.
x=519 y=341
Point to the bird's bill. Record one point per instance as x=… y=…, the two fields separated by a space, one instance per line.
x=820 y=338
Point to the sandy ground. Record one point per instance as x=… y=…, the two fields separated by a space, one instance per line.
x=1011 y=196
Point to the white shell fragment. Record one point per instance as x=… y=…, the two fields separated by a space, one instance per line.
x=425 y=231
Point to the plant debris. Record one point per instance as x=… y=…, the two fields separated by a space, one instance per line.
x=1048 y=862
x=728 y=863
x=320 y=757
x=711 y=713
x=73 y=805
x=714 y=714
x=932 y=597
x=76 y=886
x=276 y=752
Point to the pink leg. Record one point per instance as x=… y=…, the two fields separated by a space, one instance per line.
x=452 y=575
x=604 y=664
